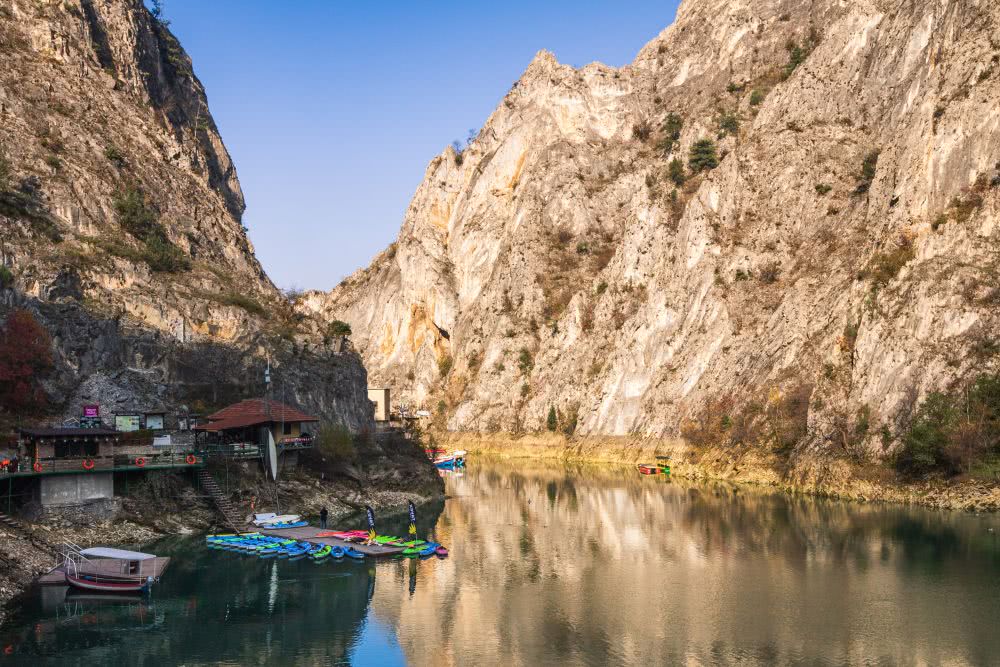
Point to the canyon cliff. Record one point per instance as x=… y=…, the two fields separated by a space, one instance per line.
x=777 y=206
x=120 y=212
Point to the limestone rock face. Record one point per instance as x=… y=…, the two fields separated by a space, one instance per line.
x=97 y=100
x=844 y=246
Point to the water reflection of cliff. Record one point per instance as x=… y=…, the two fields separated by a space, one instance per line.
x=551 y=565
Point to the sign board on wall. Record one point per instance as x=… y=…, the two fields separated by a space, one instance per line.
x=126 y=423
x=154 y=422
x=91 y=411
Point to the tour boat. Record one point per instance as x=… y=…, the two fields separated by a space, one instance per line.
x=105 y=570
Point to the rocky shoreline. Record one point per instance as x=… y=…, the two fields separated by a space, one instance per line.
x=814 y=475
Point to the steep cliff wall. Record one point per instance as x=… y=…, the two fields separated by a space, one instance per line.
x=842 y=253
x=120 y=212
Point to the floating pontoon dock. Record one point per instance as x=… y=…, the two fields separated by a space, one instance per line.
x=308 y=534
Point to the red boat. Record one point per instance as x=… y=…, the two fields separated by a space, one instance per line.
x=92 y=583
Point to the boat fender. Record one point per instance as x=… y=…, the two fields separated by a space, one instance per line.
x=37 y=467
x=140 y=462
x=88 y=464
x=190 y=459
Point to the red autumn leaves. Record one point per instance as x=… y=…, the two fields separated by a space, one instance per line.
x=25 y=356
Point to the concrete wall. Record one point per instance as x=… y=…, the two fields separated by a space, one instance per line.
x=380 y=397
x=75 y=489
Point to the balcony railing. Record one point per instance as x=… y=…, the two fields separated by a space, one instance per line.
x=119 y=461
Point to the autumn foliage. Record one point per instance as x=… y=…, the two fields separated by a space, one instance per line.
x=25 y=356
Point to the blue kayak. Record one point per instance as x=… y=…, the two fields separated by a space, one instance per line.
x=351 y=552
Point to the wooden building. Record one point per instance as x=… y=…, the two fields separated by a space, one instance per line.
x=244 y=427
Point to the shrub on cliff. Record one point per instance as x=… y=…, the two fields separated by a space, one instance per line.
x=676 y=172
x=6 y=277
x=703 y=156
x=642 y=130
x=4 y=170
x=336 y=441
x=444 y=365
x=142 y=221
x=869 y=167
x=552 y=421
x=525 y=361
x=951 y=432
x=339 y=328
x=25 y=357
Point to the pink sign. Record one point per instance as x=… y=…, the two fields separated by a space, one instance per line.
x=91 y=411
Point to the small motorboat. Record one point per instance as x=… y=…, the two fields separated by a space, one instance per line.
x=654 y=468
x=454 y=460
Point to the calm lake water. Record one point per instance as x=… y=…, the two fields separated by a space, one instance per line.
x=578 y=566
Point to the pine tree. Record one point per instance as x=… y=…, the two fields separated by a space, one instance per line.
x=552 y=422
x=703 y=156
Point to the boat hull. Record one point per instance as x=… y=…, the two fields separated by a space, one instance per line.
x=96 y=586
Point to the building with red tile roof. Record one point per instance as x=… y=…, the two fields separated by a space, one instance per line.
x=248 y=421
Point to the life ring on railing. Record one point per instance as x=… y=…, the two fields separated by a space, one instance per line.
x=190 y=460
x=140 y=462
x=88 y=464
x=37 y=467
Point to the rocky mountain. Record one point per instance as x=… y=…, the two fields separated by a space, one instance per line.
x=120 y=212
x=779 y=206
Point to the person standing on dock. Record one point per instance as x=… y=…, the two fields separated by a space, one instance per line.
x=323 y=514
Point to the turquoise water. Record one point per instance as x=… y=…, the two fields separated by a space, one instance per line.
x=580 y=566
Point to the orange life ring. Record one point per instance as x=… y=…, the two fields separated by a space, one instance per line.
x=190 y=460
x=37 y=467
x=140 y=462
x=88 y=464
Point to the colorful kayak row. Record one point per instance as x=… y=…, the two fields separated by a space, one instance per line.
x=266 y=546
x=411 y=547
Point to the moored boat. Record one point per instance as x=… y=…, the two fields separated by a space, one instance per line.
x=106 y=570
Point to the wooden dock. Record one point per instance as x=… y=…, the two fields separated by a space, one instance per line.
x=99 y=566
x=308 y=534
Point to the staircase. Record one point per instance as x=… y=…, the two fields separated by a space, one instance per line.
x=225 y=507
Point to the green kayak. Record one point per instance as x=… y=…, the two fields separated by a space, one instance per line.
x=322 y=553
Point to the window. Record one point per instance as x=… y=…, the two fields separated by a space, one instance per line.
x=286 y=428
x=76 y=449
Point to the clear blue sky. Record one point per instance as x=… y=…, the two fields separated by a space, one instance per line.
x=332 y=109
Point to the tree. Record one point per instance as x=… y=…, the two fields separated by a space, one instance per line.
x=339 y=328
x=676 y=171
x=552 y=421
x=703 y=156
x=25 y=356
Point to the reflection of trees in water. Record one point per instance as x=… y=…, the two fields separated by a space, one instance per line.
x=586 y=565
